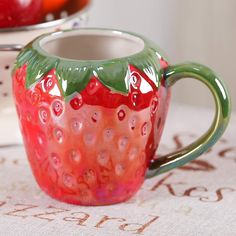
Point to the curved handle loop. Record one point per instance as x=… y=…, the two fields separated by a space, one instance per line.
x=223 y=108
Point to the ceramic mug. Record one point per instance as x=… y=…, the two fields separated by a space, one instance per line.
x=92 y=104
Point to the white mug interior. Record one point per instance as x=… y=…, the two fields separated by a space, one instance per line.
x=91 y=45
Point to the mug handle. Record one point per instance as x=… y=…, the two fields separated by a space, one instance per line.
x=202 y=73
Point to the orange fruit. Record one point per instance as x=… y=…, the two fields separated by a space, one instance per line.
x=53 y=5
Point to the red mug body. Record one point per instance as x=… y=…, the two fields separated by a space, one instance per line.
x=92 y=115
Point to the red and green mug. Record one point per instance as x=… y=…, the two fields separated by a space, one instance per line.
x=92 y=104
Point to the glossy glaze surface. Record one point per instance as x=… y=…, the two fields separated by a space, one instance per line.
x=222 y=115
x=90 y=146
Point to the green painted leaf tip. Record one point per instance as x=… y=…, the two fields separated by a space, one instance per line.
x=112 y=73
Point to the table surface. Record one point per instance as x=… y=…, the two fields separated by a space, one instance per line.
x=197 y=199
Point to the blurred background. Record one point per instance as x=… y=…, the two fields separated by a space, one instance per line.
x=203 y=31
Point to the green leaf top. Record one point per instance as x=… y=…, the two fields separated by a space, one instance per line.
x=112 y=73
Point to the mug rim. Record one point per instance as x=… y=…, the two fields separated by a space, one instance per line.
x=37 y=44
x=113 y=73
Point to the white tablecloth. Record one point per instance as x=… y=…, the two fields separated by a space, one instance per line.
x=197 y=199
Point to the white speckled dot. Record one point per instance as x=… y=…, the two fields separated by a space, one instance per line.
x=75 y=156
x=108 y=134
x=76 y=125
x=133 y=153
x=41 y=139
x=68 y=180
x=55 y=160
x=119 y=169
x=103 y=158
x=123 y=143
x=90 y=139
x=58 y=134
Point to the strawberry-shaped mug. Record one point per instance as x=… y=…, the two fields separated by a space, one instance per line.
x=92 y=104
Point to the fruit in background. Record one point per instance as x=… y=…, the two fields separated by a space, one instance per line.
x=52 y=5
x=20 y=12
